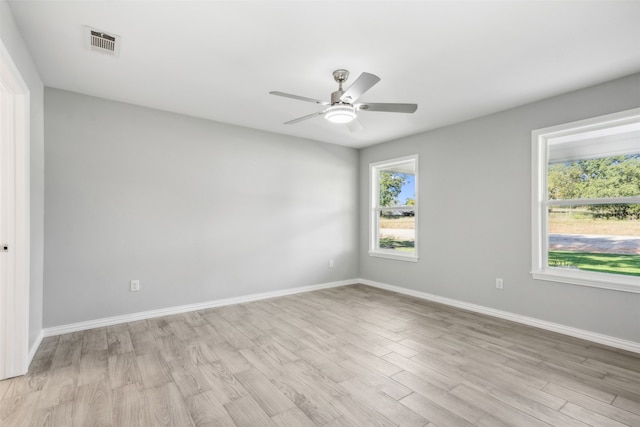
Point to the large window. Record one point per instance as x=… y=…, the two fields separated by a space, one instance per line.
x=394 y=209
x=586 y=202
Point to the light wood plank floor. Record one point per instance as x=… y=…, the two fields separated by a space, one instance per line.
x=346 y=356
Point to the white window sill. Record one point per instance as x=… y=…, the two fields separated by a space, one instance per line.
x=398 y=257
x=595 y=280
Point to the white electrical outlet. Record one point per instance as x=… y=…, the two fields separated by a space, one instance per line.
x=330 y=263
x=135 y=285
x=499 y=283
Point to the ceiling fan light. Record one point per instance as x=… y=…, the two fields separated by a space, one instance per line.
x=340 y=114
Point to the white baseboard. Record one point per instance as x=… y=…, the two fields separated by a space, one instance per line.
x=542 y=324
x=108 y=321
x=34 y=347
x=531 y=321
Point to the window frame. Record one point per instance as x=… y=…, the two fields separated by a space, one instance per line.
x=540 y=141
x=374 y=209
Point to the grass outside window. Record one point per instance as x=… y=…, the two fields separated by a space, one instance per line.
x=579 y=222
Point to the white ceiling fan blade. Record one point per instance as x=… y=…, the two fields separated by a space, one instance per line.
x=355 y=125
x=299 y=98
x=362 y=84
x=388 y=107
x=309 y=116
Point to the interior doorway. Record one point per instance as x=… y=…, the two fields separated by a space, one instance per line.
x=14 y=219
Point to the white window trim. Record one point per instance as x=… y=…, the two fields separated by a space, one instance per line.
x=540 y=270
x=374 y=195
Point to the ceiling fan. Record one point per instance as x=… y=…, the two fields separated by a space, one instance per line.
x=342 y=108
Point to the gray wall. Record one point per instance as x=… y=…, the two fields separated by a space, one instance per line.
x=200 y=211
x=475 y=215
x=16 y=47
x=196 y=210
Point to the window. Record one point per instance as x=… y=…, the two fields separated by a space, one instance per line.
x=394 y=209
x=586 y=202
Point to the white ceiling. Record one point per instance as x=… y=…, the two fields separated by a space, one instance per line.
x=219 y=59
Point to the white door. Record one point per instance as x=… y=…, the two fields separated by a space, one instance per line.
x=14 y=219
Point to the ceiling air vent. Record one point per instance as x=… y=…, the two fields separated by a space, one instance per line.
x=102 y=42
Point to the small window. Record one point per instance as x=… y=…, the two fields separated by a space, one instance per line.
x=586 y=202
x=394 y=209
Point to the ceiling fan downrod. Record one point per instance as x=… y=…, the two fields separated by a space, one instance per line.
x=340 y=76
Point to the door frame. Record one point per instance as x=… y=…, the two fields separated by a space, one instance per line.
x=14 y=218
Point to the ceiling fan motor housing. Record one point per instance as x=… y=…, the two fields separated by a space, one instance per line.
x=335 y=97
